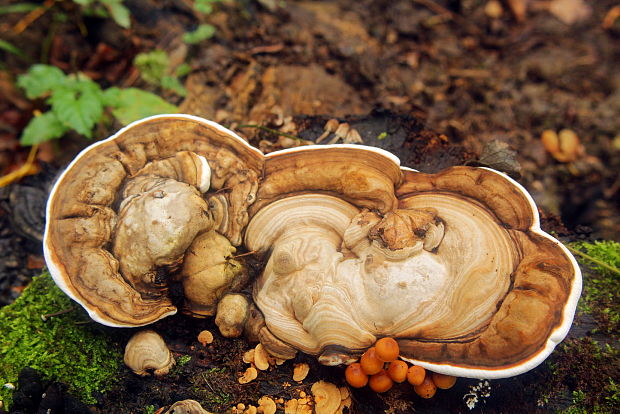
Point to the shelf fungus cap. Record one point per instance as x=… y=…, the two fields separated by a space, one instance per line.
x=326 y=397
x=123 y=214
x=146 y=351
x=457 y=269
x=186 y=407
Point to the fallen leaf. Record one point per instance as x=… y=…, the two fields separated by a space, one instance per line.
x=570 y=11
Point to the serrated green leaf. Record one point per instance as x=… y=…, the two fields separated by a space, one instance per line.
x=42 y=128
x=202 y=32
x=19 y=8
x=173 y=84
x=111 y=97
x=152 y=65
x=119 y=12
x=204 y=6
x=134 y=104
x=40 y=80
x=183 y=69
x=78 y=105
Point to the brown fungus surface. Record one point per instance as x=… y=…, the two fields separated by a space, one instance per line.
x=452 y=265
x=147 y=352
x=122 y=215
x=458 y=270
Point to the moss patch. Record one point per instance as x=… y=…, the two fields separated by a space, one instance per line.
x=66 y=348
x=583 y=369
x=601 y=284
x=589 y=372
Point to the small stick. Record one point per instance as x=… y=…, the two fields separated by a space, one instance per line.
x=593 y=259
x=245 y=254
x=62 y=312
x=28 y=168
x=437 y=8
x=21 y=25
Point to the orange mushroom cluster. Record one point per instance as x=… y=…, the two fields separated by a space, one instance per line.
x=379 y=368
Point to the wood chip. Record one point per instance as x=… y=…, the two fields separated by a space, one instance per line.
x=326 y=397
x=290 y=407
x=564 y=147
x=251 y=410
x=300 y=372
x=493 y=9
x=248 y=356
x=344 y=392
x=261 y=358
x=345 y=403
x=249 y=375
x=266 y=405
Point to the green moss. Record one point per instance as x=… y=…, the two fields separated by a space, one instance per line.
x=601 y=282
x=66 y=348
x=150 y=409
x=211 y=388
x=588 y=370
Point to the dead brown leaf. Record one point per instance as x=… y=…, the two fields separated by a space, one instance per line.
x=570 y=11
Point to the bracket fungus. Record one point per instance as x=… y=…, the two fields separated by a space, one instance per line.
x=145 y=351
x=127 y=211
x=453 y=265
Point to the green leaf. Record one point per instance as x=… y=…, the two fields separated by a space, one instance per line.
x=4 y=45
x=202 y=32
x=183 y=69
x=78 y=105
x=134 y=104
x=111 y=97
x=119 y=12
x=84 y=2
x=173 y=84
x=152 y=65
x=42 y=128
x=40 y=80
x=19 y=8
x=205 y=6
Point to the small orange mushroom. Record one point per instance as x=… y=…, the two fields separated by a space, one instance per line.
x=387 y=349
x=380 y=382
x=370 y=363
x=427 y=389
x=355 y=375
x=415 y=375
x=443 y=381
x=205 y=337
x=398 y=370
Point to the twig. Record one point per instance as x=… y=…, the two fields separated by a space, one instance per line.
x=245 y=254
x=62 y=312
x=469 y=73
x=437 y=8
x=21 y=25
x=273 y=131
x=83 y=322
x=594 y=260
x=28 y=168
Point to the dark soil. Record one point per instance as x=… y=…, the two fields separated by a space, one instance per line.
x=438 y=83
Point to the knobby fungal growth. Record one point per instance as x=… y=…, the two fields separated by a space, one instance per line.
x=452 y=265
x=146 y=351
